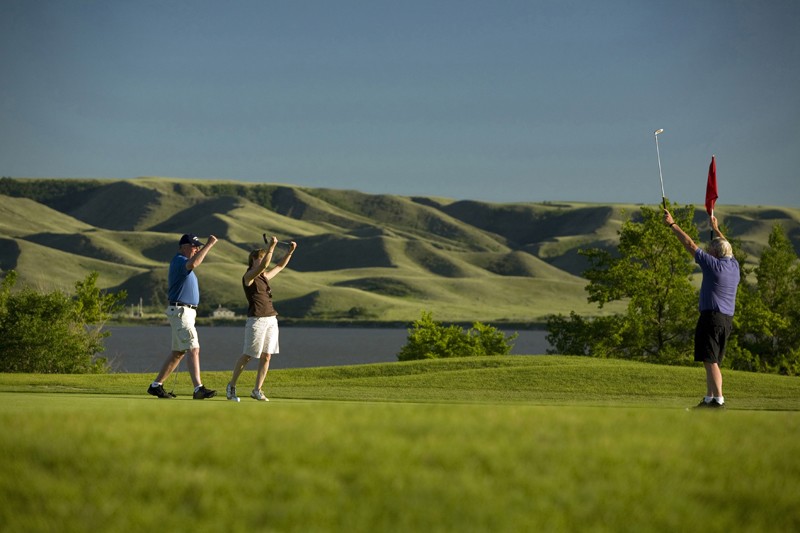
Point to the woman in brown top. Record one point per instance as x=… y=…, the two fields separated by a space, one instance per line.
x=261 y=330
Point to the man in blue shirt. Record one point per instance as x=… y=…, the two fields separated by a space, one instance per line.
x=717 y=305
x=184 y=297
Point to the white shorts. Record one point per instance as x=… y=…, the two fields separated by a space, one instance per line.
x=184 y=334
x=261 y=336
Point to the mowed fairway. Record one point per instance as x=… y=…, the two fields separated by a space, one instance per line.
x=481 y=444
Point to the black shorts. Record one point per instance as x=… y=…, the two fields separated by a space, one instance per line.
x=711 y=336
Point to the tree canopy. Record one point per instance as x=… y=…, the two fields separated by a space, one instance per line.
x=651 y=271
x=767 y=324
x=54 y=332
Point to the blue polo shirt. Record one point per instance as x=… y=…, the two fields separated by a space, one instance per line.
x=183 y=285
x=720 y=281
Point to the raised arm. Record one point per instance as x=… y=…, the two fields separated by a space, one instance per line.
x=685 y=240
x=262 y=265
x=715 y=228
x=201 y=254
x=283 y=262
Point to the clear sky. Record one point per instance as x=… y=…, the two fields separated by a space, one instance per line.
x=489 y=100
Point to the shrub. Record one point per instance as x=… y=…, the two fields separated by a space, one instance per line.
x=54 y=333
x=428 y=339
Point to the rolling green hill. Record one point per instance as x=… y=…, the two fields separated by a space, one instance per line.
x=360 y=256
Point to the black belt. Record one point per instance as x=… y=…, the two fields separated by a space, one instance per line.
x=181 y=304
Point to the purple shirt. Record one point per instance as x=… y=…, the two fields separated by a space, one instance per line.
x=720 y=281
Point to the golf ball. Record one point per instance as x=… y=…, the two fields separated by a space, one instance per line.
x=237 y=399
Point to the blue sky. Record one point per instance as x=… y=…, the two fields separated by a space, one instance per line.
x=495 y=100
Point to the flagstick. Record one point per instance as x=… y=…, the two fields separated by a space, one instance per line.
x=711 y=231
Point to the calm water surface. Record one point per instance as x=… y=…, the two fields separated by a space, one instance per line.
x=144 y=348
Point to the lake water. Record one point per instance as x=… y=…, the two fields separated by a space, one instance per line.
x=144 y=348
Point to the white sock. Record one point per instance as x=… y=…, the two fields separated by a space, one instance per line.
x=198 y=387
x=156 y=384
x=720 y=399
x=708 y=399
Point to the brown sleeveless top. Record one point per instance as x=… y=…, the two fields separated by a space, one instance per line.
x=259 y=297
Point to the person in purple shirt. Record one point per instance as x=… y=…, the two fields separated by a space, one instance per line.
x=183 y=297
x=717 y=305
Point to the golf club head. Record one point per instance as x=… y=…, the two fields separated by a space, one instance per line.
x=266 y=240
x=659 y=131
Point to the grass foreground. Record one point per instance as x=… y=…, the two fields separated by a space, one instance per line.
x=546 y=443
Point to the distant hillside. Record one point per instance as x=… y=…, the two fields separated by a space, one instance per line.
x=360 y=256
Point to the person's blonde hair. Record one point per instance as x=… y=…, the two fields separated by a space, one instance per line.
x=255 y=256
x=720 y=248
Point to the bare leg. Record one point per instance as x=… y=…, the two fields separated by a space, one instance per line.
x=263 y=368
x=169 y=366
x=713 y=379
x=238 y=368
x=193 y=362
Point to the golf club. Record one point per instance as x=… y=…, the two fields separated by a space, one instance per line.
x=266 y=240
x=175 y=378
x=660 y=177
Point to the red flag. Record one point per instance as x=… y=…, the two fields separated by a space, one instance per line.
x=711 y=187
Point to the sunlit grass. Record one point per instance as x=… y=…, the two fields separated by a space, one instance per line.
x=477 y=444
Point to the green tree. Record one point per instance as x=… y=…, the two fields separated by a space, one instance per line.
x=767 y=321
x=652 y=272
x=577 y=335
x=428 y=339
x=54 y=332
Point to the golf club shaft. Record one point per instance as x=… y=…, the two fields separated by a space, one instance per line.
x=660 y=176
x=266 y=240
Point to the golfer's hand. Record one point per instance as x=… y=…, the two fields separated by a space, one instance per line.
x=212 y=240
x=714 y=223
x=293 y=246
x=668 y=218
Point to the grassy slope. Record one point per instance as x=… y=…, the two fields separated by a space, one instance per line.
x=477 y=444
x=549 y=380
x=44 y=267
x=374 y=257
x=22 y=216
